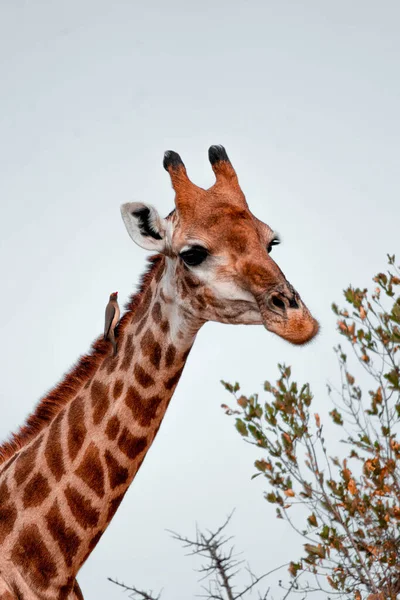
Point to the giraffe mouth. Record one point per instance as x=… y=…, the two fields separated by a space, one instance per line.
x=290 y=320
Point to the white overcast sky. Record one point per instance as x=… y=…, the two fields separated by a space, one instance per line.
x=305 y=98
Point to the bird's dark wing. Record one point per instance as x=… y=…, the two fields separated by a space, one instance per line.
x=110 y=312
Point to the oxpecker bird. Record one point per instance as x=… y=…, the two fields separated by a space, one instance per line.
x=111 y=319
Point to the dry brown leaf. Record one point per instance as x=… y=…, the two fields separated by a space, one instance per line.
x=352 y=487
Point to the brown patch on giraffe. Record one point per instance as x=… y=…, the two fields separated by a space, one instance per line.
x=8 y=596
x=128 y=355
x=8 y=513
x=81 y=508
x=91 y=470
x=170 y=355
x=172 y=381
x=65 y=590
x=158 y=275
x=129 y=343
x=100 y=402
x=147 y=341
x=112 y=428
x=117 y=474
x=130 y=445
x=112 y=365
x=76 y=427
x=118 y=387
x=199 y=302
x=143 y=409
x=151 y=348
x=32 y=556
x=53 y=451
x=156 y=312
x=66 y=538
x=155 y=355
x=142 y=377
x=113 y=506
x=141 y=325
x=184 y=292
x=143 y=306
x=36 y=491
x=4 y=493
x=85 y=369
x=165 y=326
x=191 y=281
x=25 y=460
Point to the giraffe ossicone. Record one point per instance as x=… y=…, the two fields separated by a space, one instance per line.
x=65 y=472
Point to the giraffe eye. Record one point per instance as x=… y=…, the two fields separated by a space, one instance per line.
x=273 y=242
x=194 y=256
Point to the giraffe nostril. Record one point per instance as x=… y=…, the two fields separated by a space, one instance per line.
x=277 y=302
x=293 y=303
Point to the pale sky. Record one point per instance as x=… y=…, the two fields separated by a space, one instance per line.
x=305 y=97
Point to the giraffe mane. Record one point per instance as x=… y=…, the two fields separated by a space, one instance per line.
x=58 y=397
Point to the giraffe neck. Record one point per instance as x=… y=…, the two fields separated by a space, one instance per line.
x=64 y=487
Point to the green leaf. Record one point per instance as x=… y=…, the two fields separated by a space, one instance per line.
x=315 y=550
x=393 y=377
x=294 y=568
x=336 y=417
x=241 y=427
x=261 y=465
x=324 y=533
x=227 y=386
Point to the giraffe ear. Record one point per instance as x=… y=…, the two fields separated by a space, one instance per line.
x=144 y=225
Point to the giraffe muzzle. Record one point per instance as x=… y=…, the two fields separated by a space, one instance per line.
x=284 y=314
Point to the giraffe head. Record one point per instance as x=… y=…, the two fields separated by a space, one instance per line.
x=218 y=254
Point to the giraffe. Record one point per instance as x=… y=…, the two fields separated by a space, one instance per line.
x=65 y=472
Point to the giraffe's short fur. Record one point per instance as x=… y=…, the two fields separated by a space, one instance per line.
x=66 y=537
x=64 y=474
x=90 y=470
x=113 y=426
x=118 y=475
x=118 y=387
